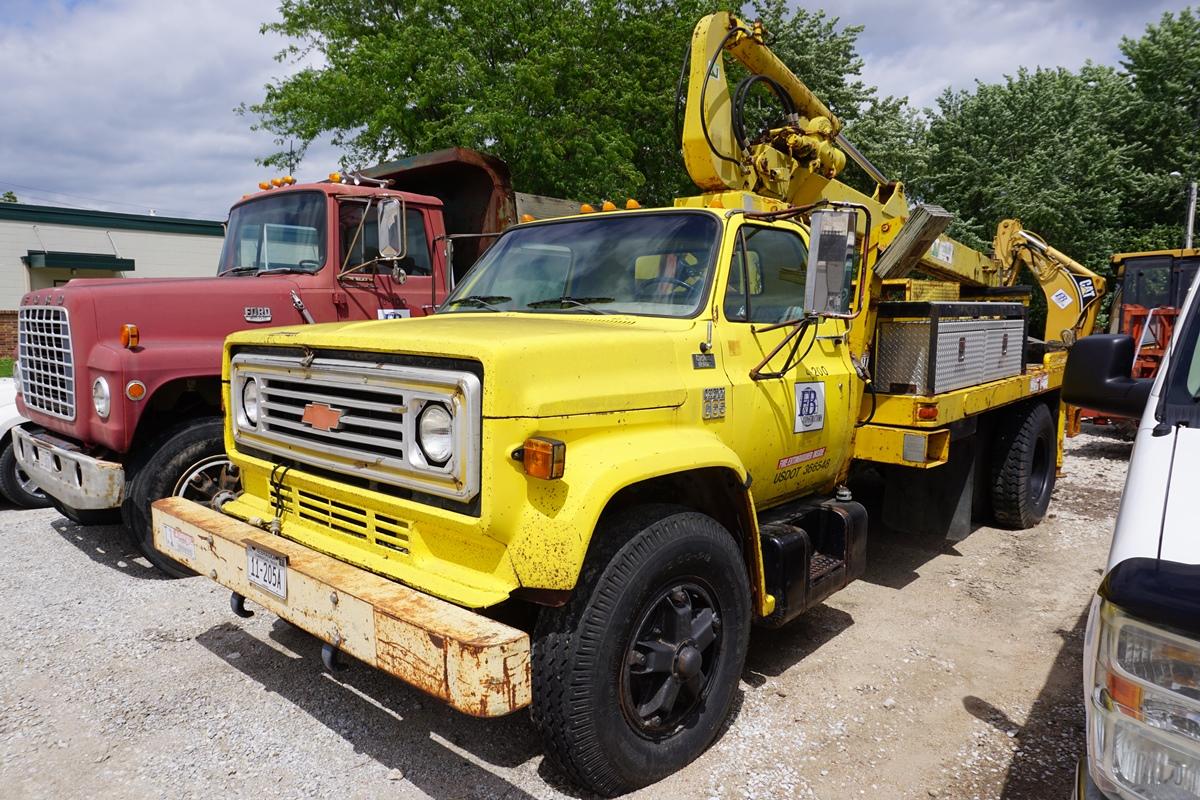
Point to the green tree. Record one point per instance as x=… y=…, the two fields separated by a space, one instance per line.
x=8 y=197
x=1164 y=67
x=576 y=95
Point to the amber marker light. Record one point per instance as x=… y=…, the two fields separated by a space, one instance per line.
x=289 y=180
x=130 y=336
x=528 y=218
x=586 y=208
x=927 y=412
x=135 y=390
x=542 y=457
x=335 y=177
x=264 y=185
x=608 y=205
x=631 y=204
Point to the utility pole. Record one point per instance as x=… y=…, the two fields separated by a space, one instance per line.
x=1191 y=216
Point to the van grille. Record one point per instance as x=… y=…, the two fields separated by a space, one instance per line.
x=47 y=364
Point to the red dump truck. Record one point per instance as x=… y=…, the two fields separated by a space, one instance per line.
x=121 y=378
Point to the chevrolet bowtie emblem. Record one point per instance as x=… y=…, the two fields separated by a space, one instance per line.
x=322 y=417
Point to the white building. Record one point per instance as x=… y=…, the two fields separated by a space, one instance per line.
x=43 y=246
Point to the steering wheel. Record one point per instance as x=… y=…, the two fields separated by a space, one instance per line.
x=646 y=289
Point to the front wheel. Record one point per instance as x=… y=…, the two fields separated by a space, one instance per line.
x=187 y=461
x=634 y=677
x=15 y=484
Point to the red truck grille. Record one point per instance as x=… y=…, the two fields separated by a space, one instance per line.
x=47 y=366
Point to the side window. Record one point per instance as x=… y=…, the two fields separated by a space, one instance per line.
x=766 y=280
x=365 y=246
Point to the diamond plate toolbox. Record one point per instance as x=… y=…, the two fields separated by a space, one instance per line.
x=935 y=347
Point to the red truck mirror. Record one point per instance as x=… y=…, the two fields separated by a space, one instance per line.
x=393 y=229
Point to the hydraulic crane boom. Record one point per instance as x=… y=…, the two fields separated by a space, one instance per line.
x=798 y=161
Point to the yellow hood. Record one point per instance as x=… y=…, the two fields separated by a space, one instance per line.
x=535 y=365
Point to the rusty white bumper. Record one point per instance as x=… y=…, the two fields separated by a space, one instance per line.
x=477 y=665
x=62 y=471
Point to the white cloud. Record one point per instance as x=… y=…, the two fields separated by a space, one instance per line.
x=130 y=102
x=920 y=49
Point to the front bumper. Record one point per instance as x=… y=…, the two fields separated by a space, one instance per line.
x=477 y=665
x=67 y=474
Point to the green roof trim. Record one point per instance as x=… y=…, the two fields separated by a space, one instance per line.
x=108 y=220
x=43 y=259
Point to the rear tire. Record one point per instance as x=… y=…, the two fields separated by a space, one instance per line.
x=634 y=677
x=185 y=461
x=15 y=484
x=1024 y=466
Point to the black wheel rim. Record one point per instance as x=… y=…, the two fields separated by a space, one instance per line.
x=671 y=659
x=1039 y=472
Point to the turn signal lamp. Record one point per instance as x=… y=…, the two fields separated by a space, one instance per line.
x=632 y=204
x=130 y=336
x=586 y=208
x=135 y=390
x=608 y=205
x=543 y=458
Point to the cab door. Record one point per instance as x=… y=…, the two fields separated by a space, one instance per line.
x=383 y=289
x=793 y=430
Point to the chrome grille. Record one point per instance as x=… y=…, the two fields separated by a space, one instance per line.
x=360 y=418
x=47 y=364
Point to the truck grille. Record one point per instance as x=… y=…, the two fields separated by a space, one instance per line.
x=388 y=535
x=47 y=365
x=360 y=418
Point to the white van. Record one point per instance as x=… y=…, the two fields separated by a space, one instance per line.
x=1141 y=659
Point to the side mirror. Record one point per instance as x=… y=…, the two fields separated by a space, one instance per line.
x=832 y=262
x=1098 y=376
x=392 y=234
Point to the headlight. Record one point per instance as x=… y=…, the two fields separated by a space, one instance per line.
x=250 y=401
x=435 y=433
x=101 y=399
x=1143 y=709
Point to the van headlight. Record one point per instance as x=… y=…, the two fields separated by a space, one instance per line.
x=1143 y=703
x=101 y=398
x=435 y=433
x=250 y=402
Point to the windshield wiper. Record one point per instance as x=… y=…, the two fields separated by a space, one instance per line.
x=479 y=301
x=575 y=302
x=240 y=270
x=279 y=271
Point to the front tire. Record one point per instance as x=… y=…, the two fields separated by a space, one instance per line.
x=1024 y=466
x=186 y=461
x=15 y=484
x=634 y=677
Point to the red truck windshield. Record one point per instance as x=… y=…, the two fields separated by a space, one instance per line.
x=278 y=233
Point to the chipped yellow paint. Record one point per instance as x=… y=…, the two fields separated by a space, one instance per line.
x=476 y=665
x=886 y=445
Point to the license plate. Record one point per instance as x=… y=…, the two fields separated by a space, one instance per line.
x=267 y=570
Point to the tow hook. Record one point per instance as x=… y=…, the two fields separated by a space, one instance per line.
x=331 y=657
x=237 y=602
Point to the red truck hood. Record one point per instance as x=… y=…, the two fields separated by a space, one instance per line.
x=182 y=324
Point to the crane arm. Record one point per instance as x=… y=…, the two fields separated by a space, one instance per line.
x=1072 y=290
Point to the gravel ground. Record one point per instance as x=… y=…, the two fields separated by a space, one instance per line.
x=950 y=671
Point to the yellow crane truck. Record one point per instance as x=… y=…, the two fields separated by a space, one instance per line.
x=626 y=437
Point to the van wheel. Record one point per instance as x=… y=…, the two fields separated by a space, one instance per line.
x=187 y=461
x=1023 y=467
x=634 y=677
x=15 y=484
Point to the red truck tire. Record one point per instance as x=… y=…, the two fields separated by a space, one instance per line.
x=186 y=460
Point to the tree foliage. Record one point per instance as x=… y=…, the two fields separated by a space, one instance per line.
x=8 y=197
x=578 y=96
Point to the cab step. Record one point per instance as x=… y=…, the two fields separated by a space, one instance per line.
x=810 y=551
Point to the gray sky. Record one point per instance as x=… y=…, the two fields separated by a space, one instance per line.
x=127 y=105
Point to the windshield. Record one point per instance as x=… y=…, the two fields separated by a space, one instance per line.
x=655 y=264
x=1148 y=281
x=279 y=233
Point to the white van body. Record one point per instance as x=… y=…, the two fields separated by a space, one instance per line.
x=1141 y=670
